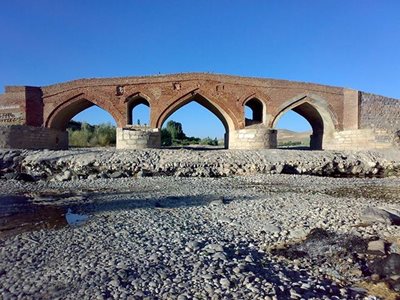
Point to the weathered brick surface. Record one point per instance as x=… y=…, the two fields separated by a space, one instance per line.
x=225 y=96
x=380 y=112
x=329 y=109
x=30 y=137
x=360 y=139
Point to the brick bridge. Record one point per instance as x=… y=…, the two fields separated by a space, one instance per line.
x=341 y=118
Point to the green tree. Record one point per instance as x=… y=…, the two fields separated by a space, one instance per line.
x=176 y=131
x=166 y=138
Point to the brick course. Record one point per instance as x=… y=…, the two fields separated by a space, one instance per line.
x=379 y=112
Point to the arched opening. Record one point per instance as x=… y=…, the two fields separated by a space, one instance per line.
x=87 y=124
x=253 y=110
x=195 y=123
x=300 y=126
x=138 y=109
x=293 y=131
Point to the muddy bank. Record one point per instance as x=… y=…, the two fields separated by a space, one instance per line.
x=110 y=163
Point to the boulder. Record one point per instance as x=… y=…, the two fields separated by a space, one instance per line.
x=67 y=175
x=116 y=174
x=378 y=215
x=19 y=176
x=388 y=266
x=376 y=247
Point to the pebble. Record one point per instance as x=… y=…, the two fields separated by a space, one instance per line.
x=186 y=249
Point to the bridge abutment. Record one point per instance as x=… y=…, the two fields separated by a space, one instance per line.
x=135 y=137
x=31 y=137
x=361 y=139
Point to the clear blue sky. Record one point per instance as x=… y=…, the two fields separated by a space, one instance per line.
x=350 y=43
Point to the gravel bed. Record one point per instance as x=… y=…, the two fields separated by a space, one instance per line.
x=110 y=163
x=169 y=237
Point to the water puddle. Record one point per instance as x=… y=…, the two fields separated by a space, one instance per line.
x=75 y=219
x=20 y=214
x=389 y=194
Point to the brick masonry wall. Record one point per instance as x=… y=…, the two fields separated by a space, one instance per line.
x=224 y=95
x=379 y=112
x=360 y=139
x=165 y=94
x=29 y=137
x=34 y=106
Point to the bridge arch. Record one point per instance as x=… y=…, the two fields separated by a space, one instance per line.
x=204 y=100
x=134 y=100
x=64 y=112
x=257 y=103
x=258 y=111
x=316 y=111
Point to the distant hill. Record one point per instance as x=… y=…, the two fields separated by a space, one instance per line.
x=287 y=136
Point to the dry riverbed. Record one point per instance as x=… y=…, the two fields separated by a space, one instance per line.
x=255 y=236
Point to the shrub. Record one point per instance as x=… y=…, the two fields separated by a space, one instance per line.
x=86 y=135
x=166 y=138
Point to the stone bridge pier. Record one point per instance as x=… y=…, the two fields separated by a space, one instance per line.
x=341 y=118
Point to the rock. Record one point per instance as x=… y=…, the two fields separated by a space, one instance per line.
x=376 y=247
x=395 y=246
x=377 y=215
x=225 y=282
x=270 y=228
x=224 y=220
x=298 y=233
x=375 y=277
x=279 y=168
x=116 y=174
x=67 y=175
x=212 y=248
x=388 y=266
x=219 y=255
x=216 y=202
x=19 y=176
x=114 y=283
x=11 y=176
x=92 y=177
x=144 y=173
x=193 y=245
x=394 y=214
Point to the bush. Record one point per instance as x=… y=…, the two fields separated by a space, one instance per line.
x=86 y=135
x=290 y=143
x=209 y=141
x=173 y=134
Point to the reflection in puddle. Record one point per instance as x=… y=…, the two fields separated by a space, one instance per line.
x=18 y=214
x=75 y=219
